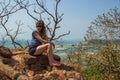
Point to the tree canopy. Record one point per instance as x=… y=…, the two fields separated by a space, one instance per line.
x=105 y=26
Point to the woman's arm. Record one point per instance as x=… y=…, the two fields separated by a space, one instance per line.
x=39 y=38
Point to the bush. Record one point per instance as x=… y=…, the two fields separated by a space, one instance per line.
x=102 y=65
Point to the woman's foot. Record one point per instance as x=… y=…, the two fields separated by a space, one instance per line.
x=56 y=64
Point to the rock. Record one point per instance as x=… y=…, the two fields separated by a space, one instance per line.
x=34 y=62
x=30 y=73
x=5 y=52
x=59 y=75
x=11 y=73
x=6 y=60
x=29 y=67
x=3 y=76
x=56 y=57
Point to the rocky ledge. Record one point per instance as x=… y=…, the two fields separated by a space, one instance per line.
x=19 y=65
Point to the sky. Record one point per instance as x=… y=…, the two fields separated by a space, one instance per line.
x=78 y=15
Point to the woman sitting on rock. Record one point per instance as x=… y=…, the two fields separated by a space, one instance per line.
x=40 y=43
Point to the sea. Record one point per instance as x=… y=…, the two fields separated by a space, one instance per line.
x=62 y=46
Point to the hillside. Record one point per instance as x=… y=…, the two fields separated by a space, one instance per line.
x=18 y=64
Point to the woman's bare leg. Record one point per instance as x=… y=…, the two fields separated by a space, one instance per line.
x=40 y=49
x=47 y=47
x=50 y=56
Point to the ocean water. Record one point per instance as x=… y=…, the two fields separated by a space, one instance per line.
x=9 y=44
x=24 y=43
x=66 y=42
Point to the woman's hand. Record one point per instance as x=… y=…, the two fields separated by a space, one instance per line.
x=53 y=44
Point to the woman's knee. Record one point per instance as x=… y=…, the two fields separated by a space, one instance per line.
x=49 y=44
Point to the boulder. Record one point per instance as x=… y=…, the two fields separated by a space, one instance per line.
x=10 y=72
x=34 y=62
x=5 y=52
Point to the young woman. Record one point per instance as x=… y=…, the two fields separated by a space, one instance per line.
x=40 y=43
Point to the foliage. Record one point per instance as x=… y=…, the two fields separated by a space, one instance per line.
x=101 y=65
x=105 y=26
x=103 y=34
x=106 y=63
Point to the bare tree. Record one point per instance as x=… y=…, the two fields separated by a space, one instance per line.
x=54 y=17
x=7 y=8
x=106 y=26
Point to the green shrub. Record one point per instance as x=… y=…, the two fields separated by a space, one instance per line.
x=102 y=65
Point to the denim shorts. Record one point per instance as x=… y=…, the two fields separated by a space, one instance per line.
x=32 y=50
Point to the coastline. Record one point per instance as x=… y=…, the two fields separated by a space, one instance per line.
x=23 y=42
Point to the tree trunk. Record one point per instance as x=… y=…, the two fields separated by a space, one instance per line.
x=10 y=72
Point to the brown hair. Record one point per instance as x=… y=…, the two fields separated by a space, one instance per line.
x=43 y=30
